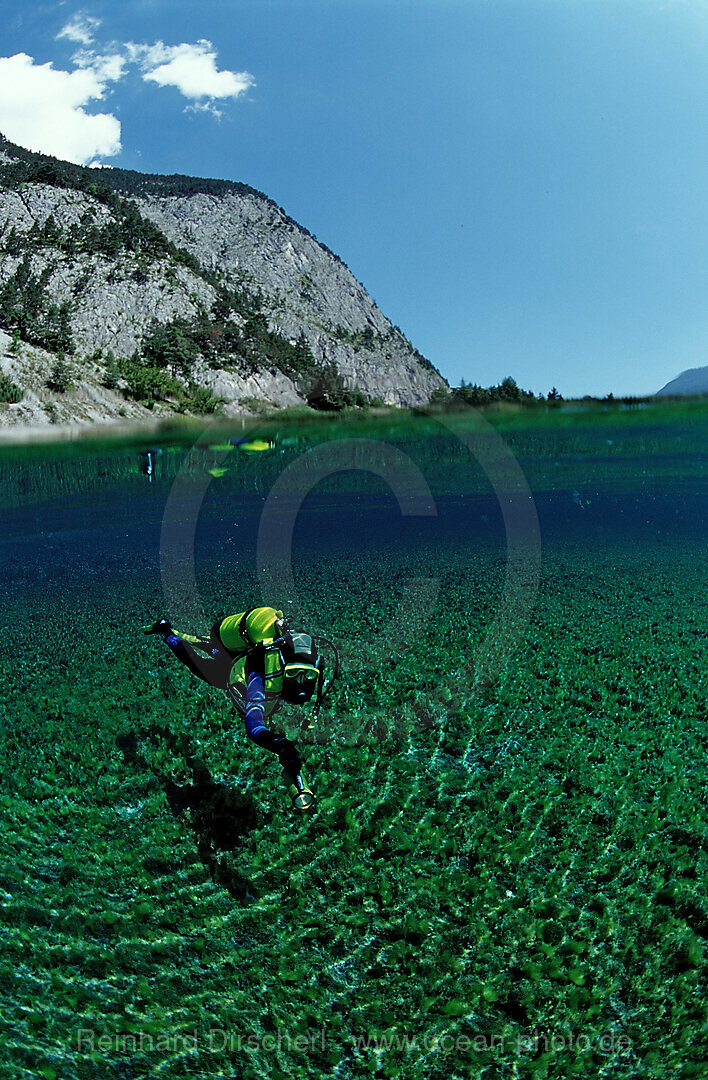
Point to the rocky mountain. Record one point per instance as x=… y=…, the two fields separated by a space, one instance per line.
x=129 y=296
x=692 y=381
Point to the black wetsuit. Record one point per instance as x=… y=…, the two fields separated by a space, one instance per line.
x=214 y=668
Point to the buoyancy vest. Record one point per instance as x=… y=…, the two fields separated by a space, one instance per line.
x=291 y=666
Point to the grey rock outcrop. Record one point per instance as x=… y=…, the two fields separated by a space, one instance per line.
x=88 y=401
x=307 y=289
x=112 y=294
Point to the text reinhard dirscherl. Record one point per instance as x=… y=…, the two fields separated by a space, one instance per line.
x=220 y=1041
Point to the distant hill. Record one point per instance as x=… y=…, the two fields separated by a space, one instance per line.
x=124 y=295
x=692 y=381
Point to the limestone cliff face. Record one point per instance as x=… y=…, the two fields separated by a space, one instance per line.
x=75 y=267
x=307 y=289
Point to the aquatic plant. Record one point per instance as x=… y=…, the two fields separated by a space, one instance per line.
x=497 y=880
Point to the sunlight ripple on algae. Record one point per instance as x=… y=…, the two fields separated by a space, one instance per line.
x=525 y=859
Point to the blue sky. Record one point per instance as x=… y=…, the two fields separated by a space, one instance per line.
x=521 y=185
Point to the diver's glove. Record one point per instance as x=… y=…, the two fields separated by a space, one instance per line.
x=162 y=627
x=287 y=754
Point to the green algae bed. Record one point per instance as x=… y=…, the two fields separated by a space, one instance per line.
x=505 y=872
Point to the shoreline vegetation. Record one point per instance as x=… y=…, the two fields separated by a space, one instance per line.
x=492 y=403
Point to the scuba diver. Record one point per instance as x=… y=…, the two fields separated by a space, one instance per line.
x=259 y=661
x=149 y=461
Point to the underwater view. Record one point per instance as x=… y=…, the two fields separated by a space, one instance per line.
x=504 y=870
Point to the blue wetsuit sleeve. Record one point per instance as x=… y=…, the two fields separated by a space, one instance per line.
x=256 y=729
x=255 y=705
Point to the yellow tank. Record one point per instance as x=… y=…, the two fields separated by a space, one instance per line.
x=241 y=632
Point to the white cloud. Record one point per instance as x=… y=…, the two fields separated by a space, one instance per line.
x=109 y=68
x=80 y=29
x=42 y=109
x=192 y=70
